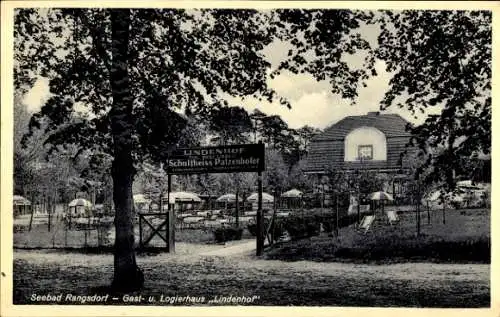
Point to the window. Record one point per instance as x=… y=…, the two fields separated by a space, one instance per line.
x=365 y=152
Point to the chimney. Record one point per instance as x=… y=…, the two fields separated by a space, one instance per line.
x=373 y=113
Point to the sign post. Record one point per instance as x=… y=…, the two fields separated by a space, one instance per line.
x=217 y=159
x=213 y=159
x=170 y=217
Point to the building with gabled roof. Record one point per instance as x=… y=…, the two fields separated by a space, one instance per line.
x=373 y=142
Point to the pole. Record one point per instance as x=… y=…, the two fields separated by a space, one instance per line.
x=359 y=207
x=418 y=210
x=171 y=219
x=428 y=214
x=89 y=228
x=32 y=211
x=161 y=201
x=260 y=222
x=336 y=215
x=444 y=208
x=48 y=208
x=65 y=235
x=237 y=209
x=418 y=218
x=85 y=232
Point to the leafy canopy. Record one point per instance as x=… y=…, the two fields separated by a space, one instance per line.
x=436 y=59
x=178 y=61
x=441 y=59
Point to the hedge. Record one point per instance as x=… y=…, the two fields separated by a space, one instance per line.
x=227 y=234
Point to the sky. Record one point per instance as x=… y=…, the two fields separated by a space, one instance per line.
x=312 y=102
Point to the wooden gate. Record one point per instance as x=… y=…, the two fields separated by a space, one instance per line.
x=167 y=225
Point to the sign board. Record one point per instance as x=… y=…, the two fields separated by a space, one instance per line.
x=217 y=159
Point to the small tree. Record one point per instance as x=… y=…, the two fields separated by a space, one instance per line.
x=298 y=179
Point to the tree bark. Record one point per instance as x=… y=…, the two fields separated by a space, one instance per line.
x=127 y=275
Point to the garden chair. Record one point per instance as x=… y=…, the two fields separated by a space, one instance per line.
x=366 y=223
x=392 y=216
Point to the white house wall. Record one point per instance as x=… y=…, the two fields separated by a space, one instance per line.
x=365 y=136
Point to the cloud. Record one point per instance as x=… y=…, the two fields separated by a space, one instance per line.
x=38 y=95
x=313 y=103
x=294 y=87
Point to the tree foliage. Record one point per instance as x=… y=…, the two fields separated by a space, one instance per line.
x=276 y=175
x=134 y=71
x=298 y=179
x=232 y=125
x=177 y=59
x=441 y=59
x=320 y=39
x=437 y=58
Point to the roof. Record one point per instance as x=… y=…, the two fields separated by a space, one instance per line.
x=327 y=149
x=392 y=125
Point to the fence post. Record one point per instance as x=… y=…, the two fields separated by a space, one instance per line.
x=237 y=211
x=171 y=231
x=98 y=226
x=260 y=222
x=336 y=215
x=32 y=212
x=170 y=219
x=89 y=228
x=65 y=235
x=48 y=209
x=428 y=214
x=444 y=211
x=85 y=234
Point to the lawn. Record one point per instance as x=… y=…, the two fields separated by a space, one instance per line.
x=60 y=237
x=461 y=279
x=464 y=238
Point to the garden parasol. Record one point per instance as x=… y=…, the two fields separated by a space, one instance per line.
x=80 y=202
x=184 y=197
x=381 y=195
x=227 y=198
x=20 y=201
x=293 y=193
x=293 y=196
x=253 y=198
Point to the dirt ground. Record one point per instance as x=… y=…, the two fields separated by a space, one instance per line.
x=212 y=271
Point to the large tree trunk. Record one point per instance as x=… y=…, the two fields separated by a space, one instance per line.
x=127 y=275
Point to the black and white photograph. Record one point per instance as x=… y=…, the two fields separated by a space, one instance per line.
x=247 y=154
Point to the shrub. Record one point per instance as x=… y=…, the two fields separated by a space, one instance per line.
x=252 y=228
x=385 y=249
x=227 y=234
x=277 y=232
x=301 y=226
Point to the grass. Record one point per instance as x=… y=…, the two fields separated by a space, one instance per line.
x=464 y=238
x=59 y=237
x=292 y=282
